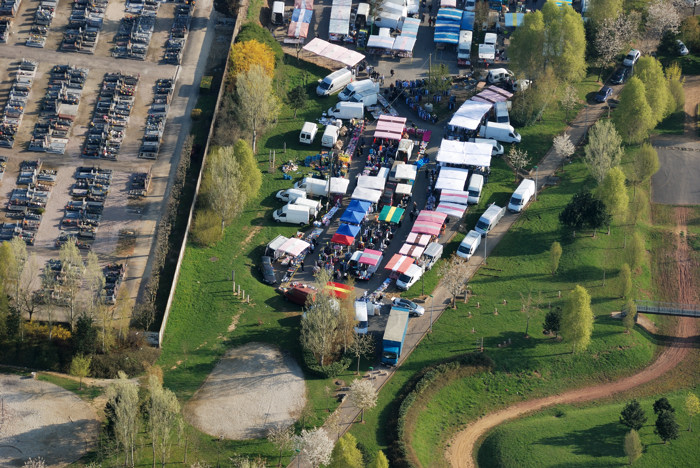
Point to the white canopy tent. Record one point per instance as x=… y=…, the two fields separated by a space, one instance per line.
x=339 y=185
x=469 y=115
x=276 y=243
x=403 y=189
x=371 y=182
x=293 y=247
x=362 y=193
x=490 y=38
x=406 y=172
x=454 y=173
x=380 y=42
x=454 y=196
x=451 y=209
x=445 y=183
x=334 y=52
x=464 y=153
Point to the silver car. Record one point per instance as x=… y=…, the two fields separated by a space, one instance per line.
x=413 y=308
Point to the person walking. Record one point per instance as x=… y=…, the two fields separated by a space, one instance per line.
x=302 y=265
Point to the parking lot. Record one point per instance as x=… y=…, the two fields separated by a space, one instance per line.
x=118 y=124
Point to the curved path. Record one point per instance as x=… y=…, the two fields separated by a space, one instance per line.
x=460 y=453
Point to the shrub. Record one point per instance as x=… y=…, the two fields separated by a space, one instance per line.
x=250 y=31
x=206 y=228
x=333 y=369
x=132 y=362
x=196 y=114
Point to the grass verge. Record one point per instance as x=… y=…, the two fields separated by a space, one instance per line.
x=86 y=393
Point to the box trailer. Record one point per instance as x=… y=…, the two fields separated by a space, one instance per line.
x=394 y=336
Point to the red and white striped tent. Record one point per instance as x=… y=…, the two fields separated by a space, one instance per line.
x=399 y=263
x=451 y=209
x=370 y=257
x=427 y=228
x=390 y=127
x=418 y=239
x=454 y=196
x=431 y=217
x=412 y=250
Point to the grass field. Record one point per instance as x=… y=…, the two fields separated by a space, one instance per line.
x=87 y=392
x=588 y=436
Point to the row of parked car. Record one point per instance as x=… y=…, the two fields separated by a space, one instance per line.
x=84 y=26
x=155 y=122
x=82 y=215
x=175 y=44
x=17 y=102
x=59 y=109
x=111 y=117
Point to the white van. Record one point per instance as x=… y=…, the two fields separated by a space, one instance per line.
x=499 y=75
x=476 y=184
x=368 y=98
x=362 y=15
x=347 y=110
x=431 y=254
x=292 y=214
x=358 y=87
x=500 y=110
x=489 y=219
x=469 y=245
x=334 y=82
x=308 y=133
x=290 y=195
x=497 y=147
x=411 y=277
x=330 y=136
x=277 y=13
x=314 y=206
x=502 y=132
x=521 y=196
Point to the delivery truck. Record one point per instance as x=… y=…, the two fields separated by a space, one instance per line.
x=394 y=336
x=292 y=214
x=313 y=187
x=347 y=110
x=291 y=194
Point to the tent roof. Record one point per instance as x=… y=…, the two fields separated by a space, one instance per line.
x=334 y=52
x=492 y=94
x=360 y=311
x=277 y=242
x=342 y=239
x=469 y=115
x=410 y=27
x=513 y=20
x=449 y=15
x=391 y=214
x=406 y=172
x=348 y=230
x=412 y=250
x=399 y=263
x=427 y=228
x=362 y=193
x=467 y=23
x=465 y=153
x=404 y=43
x=339 y=26
x=431 y=217
x=390 y=127
x=490 y=38
x=304 y=4
x=371 y=182
x=339 y=185
x=339 y=290
x=418 y=239
x=403 y=189
x=354 y=217
x=447 y=183
x=454 y=196
x=448 y=3
x=299 y=24
x=487 y=51
x=294 y=246
x=454 y=173
x=359 y=205
x=451 y=209
x=370 y=257
x=380 y=42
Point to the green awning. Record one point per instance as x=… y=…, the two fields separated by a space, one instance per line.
x=391 y=214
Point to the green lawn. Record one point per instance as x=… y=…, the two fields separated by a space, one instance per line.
x=589 y=436
x=674 y=124
x=87 y=392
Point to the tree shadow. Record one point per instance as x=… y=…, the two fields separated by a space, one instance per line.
x=604 y=440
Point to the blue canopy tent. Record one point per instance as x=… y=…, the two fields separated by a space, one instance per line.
x=467 y=21
x=345 y=234
x=359 y=205
x=447 y=25
x=352 y=217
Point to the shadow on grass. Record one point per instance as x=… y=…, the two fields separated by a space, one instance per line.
x=604 y=440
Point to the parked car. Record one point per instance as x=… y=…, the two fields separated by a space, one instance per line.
x=682 y=49
x=621 y=75
x=413 y=308
x=604 y=93
x=267 y=270
x=631 y=58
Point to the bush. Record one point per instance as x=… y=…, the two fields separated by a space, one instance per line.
x=196 y=114
x=206 y=228
x=332 y=370
x=254 y=31
x=132 y=361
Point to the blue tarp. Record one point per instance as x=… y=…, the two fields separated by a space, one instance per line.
x=467 y=21
x=359 y=205
x=348 y=230
x=410 y=27
x=448 y=15
x=447 y=25
x=353 y=217
x=446 y=37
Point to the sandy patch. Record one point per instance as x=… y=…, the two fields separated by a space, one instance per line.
x=251 y=389
x=39 y=419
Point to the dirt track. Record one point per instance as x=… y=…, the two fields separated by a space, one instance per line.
x=460 y=454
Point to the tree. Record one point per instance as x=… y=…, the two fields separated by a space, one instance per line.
x=632 y=415
x=363 y=395
x=659 y=98
x=612 y=36
x=72 y=272
x=552 y=321
x=577 y=319
x=28 y=285
x=123 y=399
x=528 y=305
x=49 y=285
x=319 y=324
x=568 y=100
x=314 y=446
x=604 y=149
x=666 y=426
x=37 y=462
x=662 y=16
x=555 y=252
x=645 y=164
x=221 y=185
x=530 y=104
x=563 y=146
x=661 y=405
x=525 y=43
x=625 y=281
x=584 y=210
x=95 y=281
x=453 y=275
x=636 y=251
x=380 y=461
x=281 y=436
x=630 y=317
x=16 y=267
x=248 y=54
x=439 y=79
x=163 y=416
x=613 y=192
x=346 y=454
x=601 y=10
x=632 y=446
x=692 y=406
x=251 y=176
x=84 y=336
x=296 y=97
x=633 y=117
x=257 y=104
x=80 y=367
x=517 y=159
x=362 y=345
x=675 y=86
x=346 y=319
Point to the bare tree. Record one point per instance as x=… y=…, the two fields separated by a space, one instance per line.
x=518 y=159
x=123 y=396
x=319 y=325
x=18 y=248
x=362 y=345
x=612 y=36
x=562 y=145
x=95 y=281
x=281 y=437
x=315 y=446
x=220 y=185
x=72 y=273
x=37 y=462
x=454 y=276
x=49 y=285
x=257 y=104
x=569 y=99
x=662 y=16
x=163 y=416
x=28 y=284
x=363 y=395
x=604 y=149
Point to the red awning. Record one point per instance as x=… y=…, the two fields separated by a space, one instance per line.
x=426 y=216
x=399 y=263
x=412 y=250
x=342 y=239
x=339 y=290
x=427 y=228
x=418 y=239
x=370 y=257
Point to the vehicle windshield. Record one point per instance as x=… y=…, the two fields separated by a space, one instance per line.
x=630 y=56
x=404 y=278
x=324 y=85
x=516 y=200
x=483 y=225
x=463 y=248
x=474 y=193
x=388 y=355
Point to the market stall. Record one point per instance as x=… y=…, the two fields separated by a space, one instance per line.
x=410 y=27
x=345 y=234
x=460 y=197
x=339 y=185
x=390 y=128
x=464 y=153
x=425 y=227
x=431 y=217
x=451 y=209
x=365 y=194
x=469 y=115
x=467 y=23
x=380 y=44
x=275 y=244
x=403 y=189
x=299 y=25
x=371 y=182
x=352 y=217
x=339 y=25
x=418 y=239
x=391 y=214
x=359 y=205
x=412 y=250
x=406 y=172
x=492 y=94
x=368 y=263
x=447 y=26
x=293 y=247
x=403 y=46
x=399 y=264
x=335 y=52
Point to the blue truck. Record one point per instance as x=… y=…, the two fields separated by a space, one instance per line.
x=394 y=335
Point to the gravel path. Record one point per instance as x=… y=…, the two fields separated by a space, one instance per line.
x=251 y=389
x=40 y=419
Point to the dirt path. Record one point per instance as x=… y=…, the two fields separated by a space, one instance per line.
x=461 y=451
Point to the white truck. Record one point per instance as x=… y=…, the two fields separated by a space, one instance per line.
x=312 y=186
x=292 y=214
x=347 y=110
x=290 y=195
x=358 y=87
x=409 y=278
x=464 y=48
x=308 y=133
x=330 y=136
x=505 y=133
x=368 y=98
x=314 y=206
